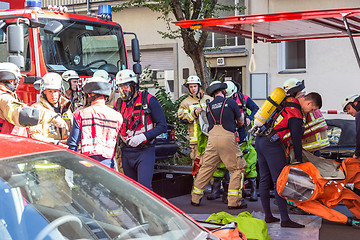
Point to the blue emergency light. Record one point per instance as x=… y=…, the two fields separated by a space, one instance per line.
x=32 y=3
x=104 y=12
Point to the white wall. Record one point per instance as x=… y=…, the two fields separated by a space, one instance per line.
x=331 y=70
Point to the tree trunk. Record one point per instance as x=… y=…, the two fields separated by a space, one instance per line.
x=194 y=49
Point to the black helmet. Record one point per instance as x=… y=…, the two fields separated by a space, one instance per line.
x=214 y=86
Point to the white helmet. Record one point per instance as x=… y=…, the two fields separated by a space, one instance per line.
x=231 y=88
x=350 y=100
x=9 y=71
x=70 y=74
x=193 y=80
x=125 y=76
x=51 y=81
x=292 y=86
x=103 y=74
x=97 y=85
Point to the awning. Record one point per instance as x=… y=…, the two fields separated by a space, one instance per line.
x=286 y=26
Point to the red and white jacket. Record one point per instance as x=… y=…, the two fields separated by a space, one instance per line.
x=99 y=126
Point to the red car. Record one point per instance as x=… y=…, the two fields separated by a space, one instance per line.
x=49 y=192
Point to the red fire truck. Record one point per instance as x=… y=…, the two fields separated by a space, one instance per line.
x=40 y=41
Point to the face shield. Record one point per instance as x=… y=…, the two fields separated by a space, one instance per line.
x=10 y=80
x=127 y=91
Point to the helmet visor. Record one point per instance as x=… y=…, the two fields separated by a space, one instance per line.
x=126 y=91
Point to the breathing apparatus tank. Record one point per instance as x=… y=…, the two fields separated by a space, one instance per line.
x=267 y=109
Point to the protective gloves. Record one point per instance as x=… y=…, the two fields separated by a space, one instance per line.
x=137 y=140
x=59 y=122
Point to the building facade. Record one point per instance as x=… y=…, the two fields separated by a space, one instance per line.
x=327 y=66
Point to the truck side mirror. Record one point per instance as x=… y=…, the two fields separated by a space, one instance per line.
x=137 y=68
x=135 y=50
x=16 y=45
x=16 y=34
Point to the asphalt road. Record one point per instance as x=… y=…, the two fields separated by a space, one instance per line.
x=328 y=230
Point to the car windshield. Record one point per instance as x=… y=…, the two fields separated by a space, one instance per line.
x=84 y=47
x=60 y=195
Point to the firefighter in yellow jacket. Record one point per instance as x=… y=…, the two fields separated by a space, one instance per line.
x=189 y=111
x=14 y=115
x=51 y=98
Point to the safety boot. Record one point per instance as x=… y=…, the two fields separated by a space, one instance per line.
x=215 y=189
x=225 y=184
x=253 y=193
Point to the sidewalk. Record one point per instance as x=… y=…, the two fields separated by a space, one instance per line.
x=328 y=230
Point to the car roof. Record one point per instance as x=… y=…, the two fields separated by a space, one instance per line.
x=12 y=146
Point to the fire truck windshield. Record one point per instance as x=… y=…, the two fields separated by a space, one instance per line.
x=84 y=47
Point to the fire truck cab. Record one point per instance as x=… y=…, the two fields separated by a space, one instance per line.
x=40 y=41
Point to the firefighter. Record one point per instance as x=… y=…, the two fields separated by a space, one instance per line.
x=72 y=92
x=223 y=115
x=249 y=108
x=271 y=147
x=189 y=112
x=51 y=98
x=96 y=126
x=144 y=119
x=351 y=106
x=14 y=115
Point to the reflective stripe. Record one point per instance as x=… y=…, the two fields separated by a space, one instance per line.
x=12 y=106
x=198 y=191
x=319 y=142
x=234 y=192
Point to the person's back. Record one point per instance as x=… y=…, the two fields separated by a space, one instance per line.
x=96 y=127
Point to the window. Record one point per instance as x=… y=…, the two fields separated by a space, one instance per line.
x=292 y=56
x=221 y=40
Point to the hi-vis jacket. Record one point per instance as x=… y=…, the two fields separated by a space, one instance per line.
x=315 y=135
x=99 y=125
x=187 y=115
x=48 y=132
x=14 y=115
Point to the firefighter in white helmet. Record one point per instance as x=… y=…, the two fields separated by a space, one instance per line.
x=223 y=115
x=144 y=119
x=189 y=113
x=51 y=98
x=96 y=127
x=294 y=87
x=351 y=105
x=14 y=115
x=72 y=91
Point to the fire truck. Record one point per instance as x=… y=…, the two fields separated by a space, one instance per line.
x=41 y=41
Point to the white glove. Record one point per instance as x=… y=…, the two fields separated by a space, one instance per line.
x=137 y=140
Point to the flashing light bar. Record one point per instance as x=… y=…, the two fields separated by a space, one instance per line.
x=32 y=3
x=104 y=12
